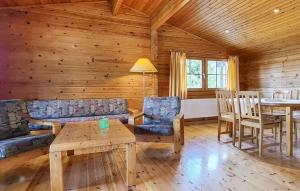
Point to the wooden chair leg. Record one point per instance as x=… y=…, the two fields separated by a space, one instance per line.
x=295 y=130
x=233 y=132
x=241 y=132
x=260 y=146
x=280 y=136
x=219 y=129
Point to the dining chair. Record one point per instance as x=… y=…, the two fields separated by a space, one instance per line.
x=295 y=95
x=226 y=113
x=250 y=115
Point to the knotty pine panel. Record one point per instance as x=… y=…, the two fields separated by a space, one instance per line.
x=73 y=50
x=275 y=69
x=172 y=38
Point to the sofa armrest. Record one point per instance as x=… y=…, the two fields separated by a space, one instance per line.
x=56 y=126
x=135 y=114
x=178 y=125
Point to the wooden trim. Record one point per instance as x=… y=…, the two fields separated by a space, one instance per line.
x=167 y=12
x=116 y=6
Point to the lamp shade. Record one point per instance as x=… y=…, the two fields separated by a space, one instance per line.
x=143 y=65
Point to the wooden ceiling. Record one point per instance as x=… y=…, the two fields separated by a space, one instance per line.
x=252 y=25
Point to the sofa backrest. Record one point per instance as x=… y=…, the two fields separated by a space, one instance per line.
x=161 y=108
x=52 y=109
x=13 y=119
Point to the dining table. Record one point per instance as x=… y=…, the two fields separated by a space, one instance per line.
x=290 y=106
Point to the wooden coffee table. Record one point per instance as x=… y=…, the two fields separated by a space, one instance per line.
x=86 y=137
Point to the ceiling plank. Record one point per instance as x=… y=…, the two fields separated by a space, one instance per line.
x=167 y=12
x=116 y=6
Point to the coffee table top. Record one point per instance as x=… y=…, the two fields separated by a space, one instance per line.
x=87 y=134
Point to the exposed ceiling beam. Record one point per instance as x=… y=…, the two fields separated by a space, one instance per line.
x=167 y=12
x=116 y=6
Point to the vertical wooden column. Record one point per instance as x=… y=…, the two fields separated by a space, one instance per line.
x=289 y=131
x=154 y=58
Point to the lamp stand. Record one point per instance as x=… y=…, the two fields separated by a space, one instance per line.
x=144 y=84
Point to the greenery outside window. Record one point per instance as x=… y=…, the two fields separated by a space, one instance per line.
x=216 y=74
x=194 y=70
x=206 y=74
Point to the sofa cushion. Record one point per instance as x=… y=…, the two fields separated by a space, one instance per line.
x=154 y=127
x=161 y=108
x=53 y=109
x=13 y=146
x=34 y=127
x=13 y=118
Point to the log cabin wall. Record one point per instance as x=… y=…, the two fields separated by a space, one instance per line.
x=274 y=69
x=173 y=38
x=76 y=50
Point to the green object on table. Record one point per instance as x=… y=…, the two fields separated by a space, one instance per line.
x=104 y=123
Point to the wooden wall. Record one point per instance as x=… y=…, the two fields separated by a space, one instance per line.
x=76 y=50
x=172 y=38
x=277 y=68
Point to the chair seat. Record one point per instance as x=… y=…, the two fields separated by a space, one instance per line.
x=228 y=117
x=155 y=128
x=255 y=123
x=13 y=146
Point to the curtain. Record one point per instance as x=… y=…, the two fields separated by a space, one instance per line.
x=177 y=82
x=233 y=73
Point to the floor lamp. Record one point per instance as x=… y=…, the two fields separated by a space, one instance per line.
x=143 y=65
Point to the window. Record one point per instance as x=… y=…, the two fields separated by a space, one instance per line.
x=206 y=74
x=216 y=74
x=194 y=73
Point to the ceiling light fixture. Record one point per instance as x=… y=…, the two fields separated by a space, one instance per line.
x=227 y=31
x=276 y=10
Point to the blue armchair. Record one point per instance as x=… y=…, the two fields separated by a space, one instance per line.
x=17 y=142
x=162 y=121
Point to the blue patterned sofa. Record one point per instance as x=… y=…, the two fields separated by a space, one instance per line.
x=15 y=135
x=75 y=110
x=162 y=121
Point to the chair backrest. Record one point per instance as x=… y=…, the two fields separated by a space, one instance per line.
x=161 y=108
x=14 y=119
x=225 y=103
x=249 y=105
x=282 y=94
x=295 y=94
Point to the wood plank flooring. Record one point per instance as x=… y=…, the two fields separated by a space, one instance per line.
x=204 y=165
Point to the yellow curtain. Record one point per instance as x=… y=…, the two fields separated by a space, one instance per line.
x=233 y=73
x=177 y=82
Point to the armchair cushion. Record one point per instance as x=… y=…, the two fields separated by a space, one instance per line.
x=161 y=108
x=13 y=146
x=154 y=127
x=13 y=119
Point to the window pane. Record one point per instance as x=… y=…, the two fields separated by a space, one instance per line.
x=221 y=81
x=211 y=67
x=212 y=81
x=222 y=67
x=194 y=66
x=194 y=81
x=194 y=73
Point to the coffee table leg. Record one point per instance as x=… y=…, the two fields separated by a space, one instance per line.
x=56 y=171
x=131 y=161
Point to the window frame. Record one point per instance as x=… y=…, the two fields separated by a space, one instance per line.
x=205 y=73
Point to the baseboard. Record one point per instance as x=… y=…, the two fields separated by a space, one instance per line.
x=202 y=120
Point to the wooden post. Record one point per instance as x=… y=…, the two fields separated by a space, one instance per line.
x=131 y=161
x=56 y=171
x=289 y=131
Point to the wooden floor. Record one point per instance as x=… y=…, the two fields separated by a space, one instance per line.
x=204 y=164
